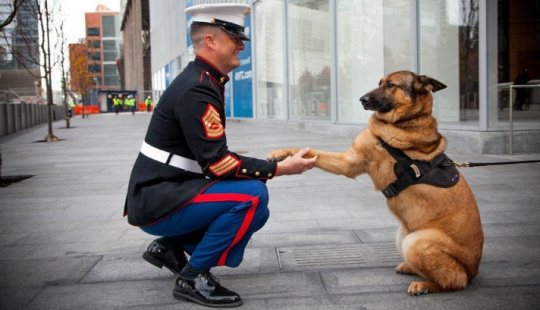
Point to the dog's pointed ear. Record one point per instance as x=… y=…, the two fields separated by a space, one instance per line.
x=424 y=83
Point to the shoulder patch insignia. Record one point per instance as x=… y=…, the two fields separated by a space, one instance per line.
x=212 y=123
x=225 y=165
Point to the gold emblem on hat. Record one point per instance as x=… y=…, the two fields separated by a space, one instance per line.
x=212 y=20
x=247 y=11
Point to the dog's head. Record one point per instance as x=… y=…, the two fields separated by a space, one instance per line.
x=401 y=95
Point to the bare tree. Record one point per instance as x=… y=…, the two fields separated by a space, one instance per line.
x=63 y=71
x=26 y=55
x=11 y=16
x=45 y=26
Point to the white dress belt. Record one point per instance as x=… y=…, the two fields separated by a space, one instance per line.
x=174 y=160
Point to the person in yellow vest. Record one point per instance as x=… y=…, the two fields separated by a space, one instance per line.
x=116 y=104
x=130 y=104
x=148 y=103
x=121 y=103
x=71 y=109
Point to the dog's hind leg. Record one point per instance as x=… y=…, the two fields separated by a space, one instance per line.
x=449 y=277
x=402 y=268
x=427 y=254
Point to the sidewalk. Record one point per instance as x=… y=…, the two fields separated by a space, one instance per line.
x=329 y=243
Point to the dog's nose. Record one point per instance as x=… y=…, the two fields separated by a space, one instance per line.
x=364 y=99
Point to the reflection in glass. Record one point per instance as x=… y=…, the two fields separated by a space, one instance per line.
x=448 y=52
x=518 y=49
x=373 y=40
x=269 y=54
x=309 y=59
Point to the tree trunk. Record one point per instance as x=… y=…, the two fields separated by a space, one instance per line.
x=50 y=137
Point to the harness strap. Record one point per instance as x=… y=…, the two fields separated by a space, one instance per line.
x=415 y=171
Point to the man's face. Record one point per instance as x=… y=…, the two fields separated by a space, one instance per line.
x=228 y=48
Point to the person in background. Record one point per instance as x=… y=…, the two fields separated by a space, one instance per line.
x=117 y=104
x=186 y=186
x=130 y=104
x=71 y=109
x=121 y=103
x=521 y=93
x=148 y=103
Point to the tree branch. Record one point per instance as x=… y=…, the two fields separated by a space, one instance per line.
x=16 y=5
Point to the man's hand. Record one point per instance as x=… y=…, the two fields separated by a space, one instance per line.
x=296 y=164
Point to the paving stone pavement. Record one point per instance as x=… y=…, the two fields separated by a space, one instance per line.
x=329 y=243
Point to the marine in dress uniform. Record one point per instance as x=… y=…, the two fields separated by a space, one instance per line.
x=187 y=186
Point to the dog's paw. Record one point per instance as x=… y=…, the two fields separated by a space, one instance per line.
x=279 y=155
x=418 y=288
x=403 y=268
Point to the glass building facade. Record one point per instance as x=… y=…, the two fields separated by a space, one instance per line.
x=20 y=37
x=314 y=59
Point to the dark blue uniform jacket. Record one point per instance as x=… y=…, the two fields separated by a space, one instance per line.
x=189 y=120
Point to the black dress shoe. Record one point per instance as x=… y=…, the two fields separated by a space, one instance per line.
x=205 y=290
x=159 y=255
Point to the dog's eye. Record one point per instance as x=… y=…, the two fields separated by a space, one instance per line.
x=390 y=85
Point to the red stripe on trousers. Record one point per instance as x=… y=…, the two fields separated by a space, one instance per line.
x=247 y=219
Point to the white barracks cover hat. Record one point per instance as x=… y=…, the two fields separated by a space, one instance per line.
x=227 y=16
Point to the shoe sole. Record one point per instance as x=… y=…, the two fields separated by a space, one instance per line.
x=187 y=297
x=147 y=257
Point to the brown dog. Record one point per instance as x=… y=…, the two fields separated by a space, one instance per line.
x=441 y=236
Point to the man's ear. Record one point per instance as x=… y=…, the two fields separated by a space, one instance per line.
x=210 y=41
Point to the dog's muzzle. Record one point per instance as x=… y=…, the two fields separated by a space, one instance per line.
x=370 y=103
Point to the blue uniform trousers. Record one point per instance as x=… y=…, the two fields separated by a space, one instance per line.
x=231 y=211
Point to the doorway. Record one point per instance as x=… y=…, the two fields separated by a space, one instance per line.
x=518 y=39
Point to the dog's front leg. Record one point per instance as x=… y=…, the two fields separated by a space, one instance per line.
x=337 y=163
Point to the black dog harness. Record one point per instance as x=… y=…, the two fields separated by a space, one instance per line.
x=439 y=172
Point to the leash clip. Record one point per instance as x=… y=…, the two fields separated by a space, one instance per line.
x=465 y=164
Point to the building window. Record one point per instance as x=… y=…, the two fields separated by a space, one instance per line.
x=516 y=31
x=449 y=31
x=110 y=50
x=110 y=69
x=372 y=40
x=109 y=45
x=111 y=80
x=270 y=102
x=111 y=75
x=110 y=55
x=94 y=68
x=94 y=56
x=309 y=59
x=94 y=44
x=110 y=26
x=92 y=32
